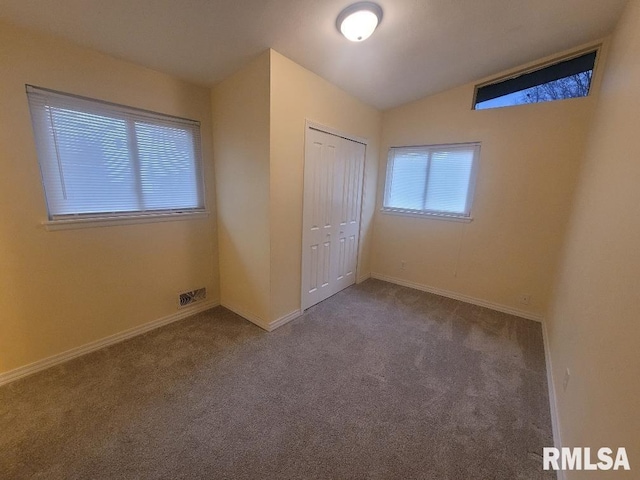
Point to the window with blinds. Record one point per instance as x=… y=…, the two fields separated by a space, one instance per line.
x=103 y=160
x=431 y=180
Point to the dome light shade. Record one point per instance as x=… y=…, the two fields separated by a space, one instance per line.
x=358 y=21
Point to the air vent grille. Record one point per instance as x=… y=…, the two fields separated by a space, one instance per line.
x=189 y=298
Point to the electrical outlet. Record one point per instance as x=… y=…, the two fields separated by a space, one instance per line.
x=525 y=299
x=403 y=264
x=565 y=380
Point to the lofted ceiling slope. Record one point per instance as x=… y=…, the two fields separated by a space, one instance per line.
x=420 y=48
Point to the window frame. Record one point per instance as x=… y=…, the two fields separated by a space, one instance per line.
x=114 y=110
x=592 y=49
x=433 y=214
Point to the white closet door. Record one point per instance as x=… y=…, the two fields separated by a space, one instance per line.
x=332 y=198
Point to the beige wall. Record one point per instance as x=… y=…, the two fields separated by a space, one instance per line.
x=594 y=323
x=298 y=94
x=63 y=289
x=241 y=131
x=528 y=167
x=259 y=127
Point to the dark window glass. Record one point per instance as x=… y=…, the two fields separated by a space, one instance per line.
x=567 y=79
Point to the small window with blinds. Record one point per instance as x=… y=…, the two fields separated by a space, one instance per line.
x=434 y=181
x=100 y=160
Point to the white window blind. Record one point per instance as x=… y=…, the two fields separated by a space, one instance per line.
x=100 y=159
x=431 y=180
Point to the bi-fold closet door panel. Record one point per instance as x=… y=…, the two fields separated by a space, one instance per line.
x=332 y=200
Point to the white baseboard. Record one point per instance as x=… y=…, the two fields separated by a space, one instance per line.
x=284 y=319
x=45 y=363
x=247 y=316
x=268 y=326
x=555 y=423
x=364 y=277
x=458 y=296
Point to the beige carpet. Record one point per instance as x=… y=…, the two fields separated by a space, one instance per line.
x=377 y=382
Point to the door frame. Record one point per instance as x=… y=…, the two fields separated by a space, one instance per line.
x=312 y=125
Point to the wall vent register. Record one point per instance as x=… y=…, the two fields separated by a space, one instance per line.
x=189 y=298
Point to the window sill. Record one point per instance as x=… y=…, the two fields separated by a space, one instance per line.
x=432 y=216
x=109 y=221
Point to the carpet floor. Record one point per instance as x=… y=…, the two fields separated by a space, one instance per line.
x=377 y=382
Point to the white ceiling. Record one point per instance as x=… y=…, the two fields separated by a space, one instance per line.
x=420 y=48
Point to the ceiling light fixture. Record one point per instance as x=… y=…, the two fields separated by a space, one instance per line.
x=358 y=21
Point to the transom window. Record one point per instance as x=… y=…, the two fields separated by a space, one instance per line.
x=102 y=160
x=433 y=180
x=569 y=78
